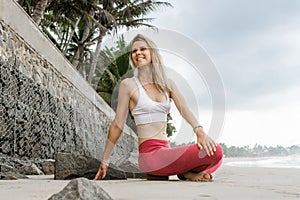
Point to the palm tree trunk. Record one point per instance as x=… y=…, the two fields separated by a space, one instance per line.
x=75 y=60
x=39 y=11
x=66 y=44
x=78 y=59
x=81 y=67
x=96 y=58
x=80 y=51
x=21 y=2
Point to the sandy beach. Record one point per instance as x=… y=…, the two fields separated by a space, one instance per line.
x=229 y=183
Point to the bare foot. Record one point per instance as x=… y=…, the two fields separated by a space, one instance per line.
x=201 y=176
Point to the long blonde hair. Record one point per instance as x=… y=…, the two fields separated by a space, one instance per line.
x=158 y=73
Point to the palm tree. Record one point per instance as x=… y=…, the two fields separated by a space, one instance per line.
x=88 y=27
x=116 y=64
x=122 y=13
x=90 y=20
x=79 y=49
x=60 y=30
x=117 y=68
x=39 y=10
x=75 y=25
x=79 y=15
x=61 y=19
x=27 y=5
x=35 y=8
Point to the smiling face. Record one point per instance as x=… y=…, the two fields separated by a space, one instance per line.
x=140 y=54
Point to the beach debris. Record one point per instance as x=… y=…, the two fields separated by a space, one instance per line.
x=81 y=189
x=30 y=169
x=11 y=176
x=9 y=173
x=70 y=166
x=6 y=168
x=13 y=168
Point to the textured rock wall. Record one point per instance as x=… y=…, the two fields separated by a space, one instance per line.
x=42 y=112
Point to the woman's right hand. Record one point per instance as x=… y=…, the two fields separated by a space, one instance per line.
x=101 y=172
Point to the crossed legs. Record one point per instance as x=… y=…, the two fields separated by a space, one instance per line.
x=189 y=162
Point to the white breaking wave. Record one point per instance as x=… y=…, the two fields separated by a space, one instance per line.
x=291 y=161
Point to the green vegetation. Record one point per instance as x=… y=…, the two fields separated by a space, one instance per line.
x=77 y=27
x=256 y=151
x=116 y=62
x=170 y=128
x=259 y=151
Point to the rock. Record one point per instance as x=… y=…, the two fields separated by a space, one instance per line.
x=130 y=165
x=30 y=169
x=6 y=168
x=81 y=189
x=8 y=161
x=69 y=166
x=10 y=164
x=11 y=176
x=8 y=172
x=47 y=166
x=113 y=173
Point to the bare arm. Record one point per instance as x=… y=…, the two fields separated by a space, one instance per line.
x=115 y=128
x=181 y=105
x=117 y=125
x=203 y=140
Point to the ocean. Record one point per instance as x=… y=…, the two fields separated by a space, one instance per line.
x=291 y=161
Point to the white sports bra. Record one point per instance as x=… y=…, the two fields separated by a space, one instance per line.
x=148 y=111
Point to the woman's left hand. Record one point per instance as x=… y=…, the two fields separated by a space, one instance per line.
x=205 y=142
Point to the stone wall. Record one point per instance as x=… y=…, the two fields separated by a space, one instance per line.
x=45 y=105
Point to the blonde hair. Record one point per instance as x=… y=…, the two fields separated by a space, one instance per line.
x=159 y=77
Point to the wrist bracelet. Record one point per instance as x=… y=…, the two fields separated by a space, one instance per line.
x=105 y=162
x=198 y=126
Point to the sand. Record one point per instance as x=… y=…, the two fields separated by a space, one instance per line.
x=229 y=183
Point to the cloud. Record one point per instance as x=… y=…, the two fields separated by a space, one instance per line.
x=265 y=127
x=265 y=64
x=254 y=44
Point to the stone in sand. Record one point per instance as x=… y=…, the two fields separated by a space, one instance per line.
x=81 y=189
x=70 y=166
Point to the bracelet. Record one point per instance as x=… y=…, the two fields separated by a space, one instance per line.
x=105 y=162
x=198 y=126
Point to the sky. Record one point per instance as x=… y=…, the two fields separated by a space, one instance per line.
x=255 y=47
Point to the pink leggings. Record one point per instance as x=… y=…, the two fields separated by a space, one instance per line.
x=157 y=158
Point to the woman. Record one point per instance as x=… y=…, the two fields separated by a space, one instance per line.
x=148 y=95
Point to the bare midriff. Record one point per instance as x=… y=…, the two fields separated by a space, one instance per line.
x=155 y=130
